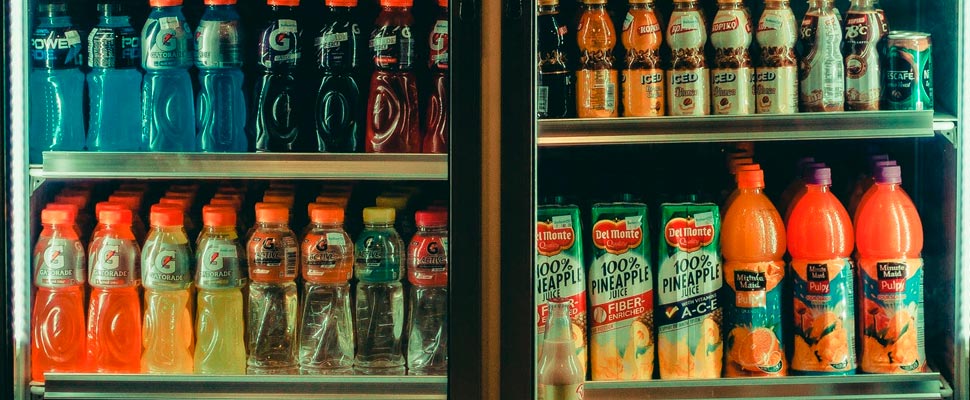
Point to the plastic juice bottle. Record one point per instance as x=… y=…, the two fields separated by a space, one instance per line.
x=555 y=83
x=596 y=80
x=114 y=310
x=820 y=241
x=732 y=88
x=560 y=370
x=167 y=112
x=276 y=119
x=326 y=325
x=889 y=238
x=56 y=82
x=688 y=79
x=437 y=126
x=221 y=106
x=338 y=114
x=57 y=324
x=379 y=266
x=114 y=54
x=105 y=205
x=753 y=244
x=428 y=306
x=167 y=277
x=796 y=184
x=393 y=125
x=71 y=210
x=643 y=77
x=220 y=276
x=272 y=254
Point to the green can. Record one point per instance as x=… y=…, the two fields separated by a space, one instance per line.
x=908 y=76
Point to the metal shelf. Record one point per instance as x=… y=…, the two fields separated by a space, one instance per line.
x=913 y=386
x=81 y=164
x=103 y=386
x=727 y=128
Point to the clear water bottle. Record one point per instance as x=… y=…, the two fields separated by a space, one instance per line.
x=276 y=120
x=56 y=84
x=167 y=112
x=221 y=104
x=114 y=53
x=428 y=302
x=380 y=295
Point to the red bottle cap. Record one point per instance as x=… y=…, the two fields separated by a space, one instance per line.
x=56 y=217
x=183 y=203
x=107 y=205
x=70 y=208
x=221 y=216
x=327 y=214
x=166 y=215
x=226 y=203
x=132 y=202
x=115 y=216
x=443 y=3
x=397 y=3
x=431 y=218
x=79 y=200
x=272 y=213
x=751 y=179
x=164 y=3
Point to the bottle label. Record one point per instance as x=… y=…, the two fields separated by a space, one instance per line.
x=217 y=45
x=168 y=265
x=732 y=91
x=731 y=35
x=279 y=44
x=56 y=48
x=337 y=46
x=439 y=45
x=324 y=254
x=685 y=34
x=218 y=266
x=824 y=316
x=428 y=260
x=61 y=264
x=114 y=48
x=754 y=343
x=892 y=316
x=687 y=91
x=597 y=93
x=822 y=78
x=165 y=44
x=732 y=83
x=560 y=273
x=776 y=81
x=272 y=257
x=392 y=47
x=776 y=90
x=377 y=260
x=862 y=75
x=643 y=92
x=114 y=263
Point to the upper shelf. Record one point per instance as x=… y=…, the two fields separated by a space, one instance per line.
x=728 y=128
x=83 y=164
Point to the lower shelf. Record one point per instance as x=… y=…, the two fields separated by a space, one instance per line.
x=913 y=386
x=103 y=386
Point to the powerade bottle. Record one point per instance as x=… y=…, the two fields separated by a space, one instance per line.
x=167 y=112
x=428 y=305
x=436 y=128
x=393 y=124
x=338 y=111
x=56 y=84
x=276 y=120
x=380 y=296
x=114 y=53
x=221 y=107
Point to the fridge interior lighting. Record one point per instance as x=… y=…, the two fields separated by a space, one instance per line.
x=18 y=267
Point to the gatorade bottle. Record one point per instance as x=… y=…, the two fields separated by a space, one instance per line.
x=114 y=53
x=596 y=87
x=820 y=241
x=380 y=296
x=338 y=111
x=104 y=205
x=221 y=107
x=220 y=275
x=436 y=129
x=167 y=113
x=167 y=260
x=643 y=78
x=272 y=255
x=753 y=244
x=326 y=326
x=114 y=311
x=57 y=324
x=392 y=106
x=889 y=239
x=71 y=210
x=276 y=120
x=428 y=305
x=56 y=83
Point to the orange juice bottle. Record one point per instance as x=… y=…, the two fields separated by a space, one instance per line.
x=596 y=84
x=753 y=244
x=820 y=242
x=889 y=237
x=643 y=78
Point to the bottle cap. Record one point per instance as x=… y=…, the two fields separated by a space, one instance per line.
x=286 y=198
x=342 y=201
x=378 y=215
x=222 y=216
x=819 y=176
x=749 y=167
x=219 y=2
x=225 y=203
x=431 y=218
x=55 y=217
x=396 y=202
x=180 y=194
x=166 y=215
x=78 y=200
x=131 y=201
x=164 y=3
x=880 y=164
x=548 y=2
x=734 y=163
x=889 y=174
x=114 y=216
x=327 y=214
x=443 y=3
x=751 y=179
x=182 y=203
x=808 y=168
x=397 y=3
x=107 y=205
x=70 y=208
x=341 y=3
x=272 y=213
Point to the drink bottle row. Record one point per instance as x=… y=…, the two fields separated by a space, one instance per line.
x=266 y=301
x=851 y=65
x=140 y=94
x=720 y=297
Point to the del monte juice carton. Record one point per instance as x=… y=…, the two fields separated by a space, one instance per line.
x=560 y=270
x=621 y=294
x=688 y=281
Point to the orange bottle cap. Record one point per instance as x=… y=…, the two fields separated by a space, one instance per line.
x=107 y=205
x=70 y=208
x=311 y=206
x=213 y=215
x=114 y=216
x=284 y=3
x=400 y=3
x=130 y=201
x=219 y=2
x=182 y=203
x=327 y=214
x=443 y=3
x=164 y=3
x=272 y=213
x=749 y=167
x=166 y=215
x=80 y=201
x=751 y=179
x=55 y=217
x=341 y=3
x=225 y=203
x=734 y=163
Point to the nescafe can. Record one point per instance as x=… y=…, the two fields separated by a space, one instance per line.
x=908 y=76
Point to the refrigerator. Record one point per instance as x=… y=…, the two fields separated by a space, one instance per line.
x=579 y=161
x=31 y=186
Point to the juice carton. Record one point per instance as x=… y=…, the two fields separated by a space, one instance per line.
x=621 y=294
x=560 y=270
x=689 y=280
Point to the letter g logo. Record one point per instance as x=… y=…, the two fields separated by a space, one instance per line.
x=281 y=41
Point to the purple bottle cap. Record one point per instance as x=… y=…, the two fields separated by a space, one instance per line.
x=808 y=168
x=819 y=176
x=889 y=174
x=876 y=166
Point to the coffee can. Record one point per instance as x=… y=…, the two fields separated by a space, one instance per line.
x=908 y=76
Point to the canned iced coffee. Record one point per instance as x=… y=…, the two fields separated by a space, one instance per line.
x=908 y=78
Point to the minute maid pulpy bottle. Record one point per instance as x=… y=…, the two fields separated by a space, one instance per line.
x=560 y=271
x=167 y=111
x=622 y=338
x=689 y=279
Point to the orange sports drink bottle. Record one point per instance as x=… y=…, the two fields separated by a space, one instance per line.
x=889 y=239
x=753 y=244
x=820 y=242
x=596 y=80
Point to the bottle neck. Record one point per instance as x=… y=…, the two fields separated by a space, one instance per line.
x=776 y=5
x=817 y=188
x=219 y=230
x=736 y=5
x=169 y=228
x=641 y=6
x=558 y=328
x=549 y=9
x=751 y=189
x=328 y=225
x=66 y=230
x=340 y=10
x=395 y=9
x=862 y=4
x=685 y=6
x=272 y=225
x=432 y=229
x=596 y=8
x=380 y=225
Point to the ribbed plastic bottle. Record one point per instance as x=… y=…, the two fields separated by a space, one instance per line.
x=167 y=110
x=428 y=304
x=221 y=106
x=276 y=119
x=436 y=128
x=338 y=110
x=114 y=54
